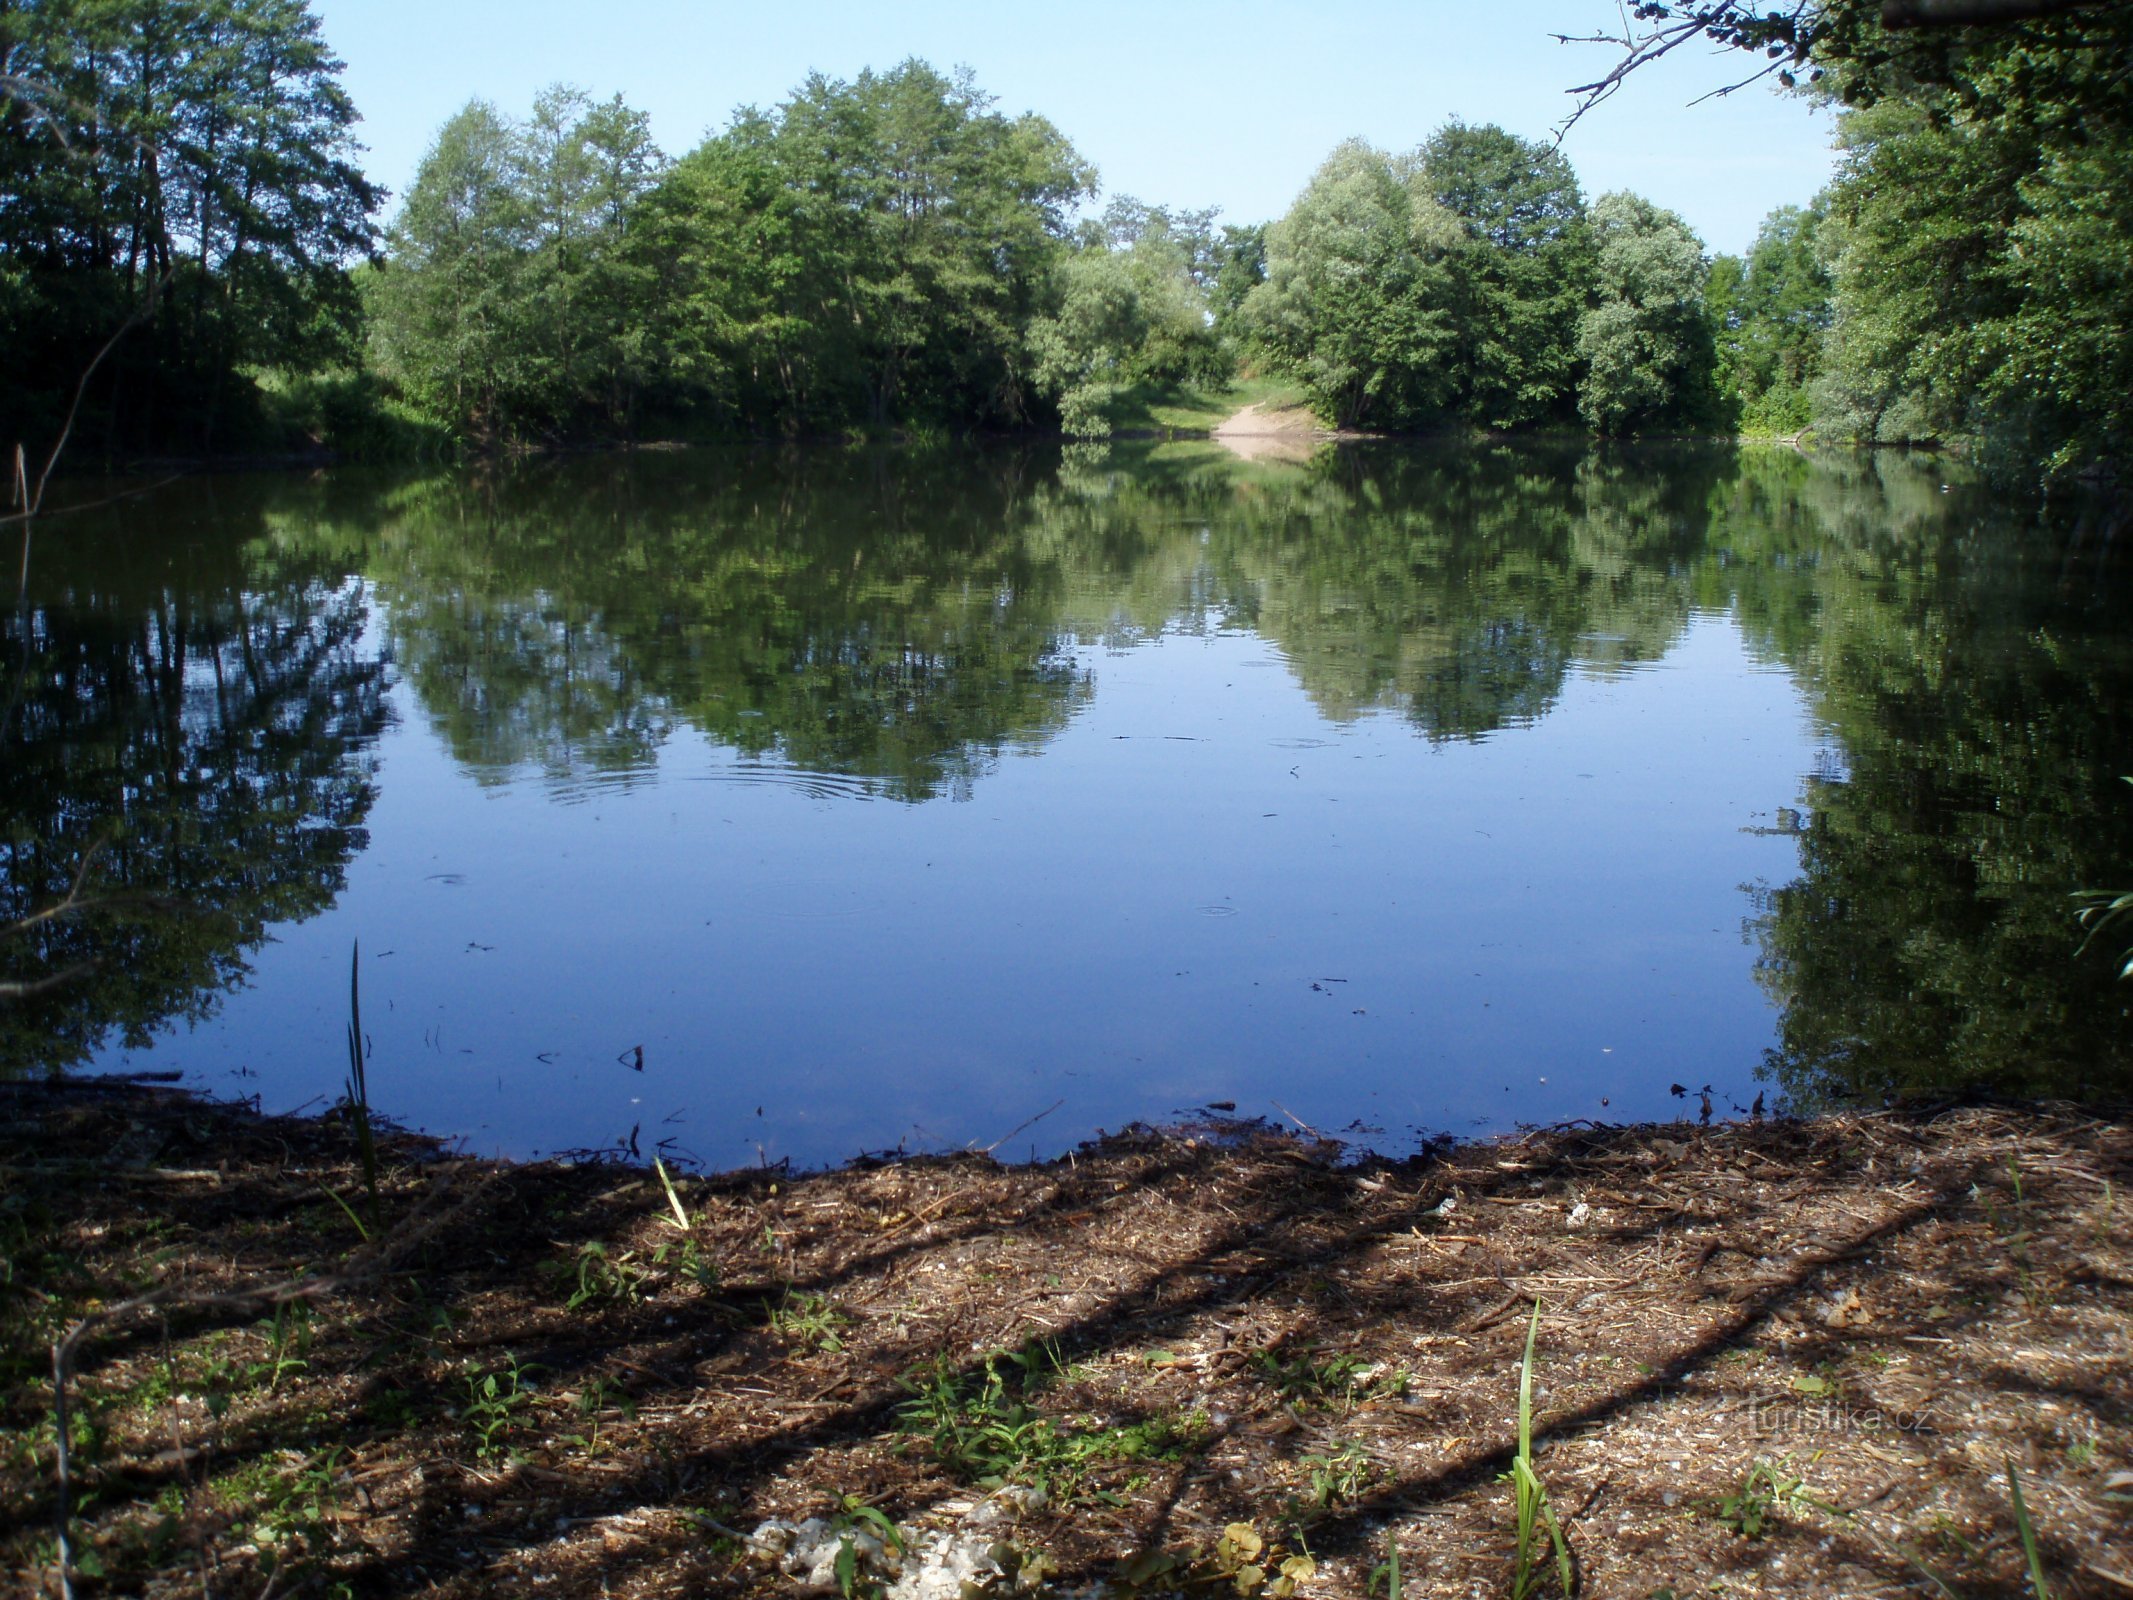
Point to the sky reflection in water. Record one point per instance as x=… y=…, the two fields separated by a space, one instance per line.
x=889 y=806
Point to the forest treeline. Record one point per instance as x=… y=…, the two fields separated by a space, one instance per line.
x=183 y=217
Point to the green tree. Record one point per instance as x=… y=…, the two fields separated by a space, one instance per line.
x=867 y=252
x=1354 y=298
x=515 y=300
x=1978 y=230
x=1769 y=312
x=587 y=166
x=193 y=159
x=1129 y=308
x=450 y=309
x=1644 y=341
x=1518 y=284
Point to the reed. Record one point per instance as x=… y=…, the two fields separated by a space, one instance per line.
x=1529 y=1496
x=358 y=1099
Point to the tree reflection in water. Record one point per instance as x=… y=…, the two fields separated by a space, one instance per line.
x=903 y=621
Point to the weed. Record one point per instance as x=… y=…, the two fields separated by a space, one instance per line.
x=2015 y=1233
x=1386 y=1574
x=687 y=1258
x=290 y=1342
x=808 y=1319
x=286 y=1516
x=604 y=1280
x=1342 y=1378
x=1241 y=1562
x=594 y=1401
x=1755 y=1508
x=1529 y=1498
x=494 y=1400
x=1340 y=1475
x=983 y=1428
x=390 y=1409
x=681 y=1215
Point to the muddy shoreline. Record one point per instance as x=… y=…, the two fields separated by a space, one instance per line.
x=1778 y=1358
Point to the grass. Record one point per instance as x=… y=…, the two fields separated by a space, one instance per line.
x=1196 y=408
x=2030 y=1553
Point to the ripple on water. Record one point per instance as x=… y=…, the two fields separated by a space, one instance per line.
x=815 y=785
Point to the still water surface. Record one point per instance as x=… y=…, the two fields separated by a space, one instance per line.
x=765 y=807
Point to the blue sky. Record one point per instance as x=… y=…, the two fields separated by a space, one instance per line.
x=1183 y=105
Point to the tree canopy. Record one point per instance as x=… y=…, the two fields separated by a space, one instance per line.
x=189 y=164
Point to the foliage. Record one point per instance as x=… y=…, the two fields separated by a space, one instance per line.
x=1312 y=1376
x=1520 y=276
x=1644 y=341
x=1978 y=242
x=1974 y=240
x=509 y=302
x=1443 y=286
x=872 y=252
x=1353 y=305
x=494 y=1400
x=1757 y=1506
x=1240 y=1562
x=1769 y=312
x=1130 y=310
x=193 y=159
x=2032 y=1557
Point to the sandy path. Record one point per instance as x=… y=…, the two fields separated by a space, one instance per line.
x=1260 y=433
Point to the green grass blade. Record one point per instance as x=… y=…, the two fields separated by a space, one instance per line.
x=2023 y=1526
x=681 y=1217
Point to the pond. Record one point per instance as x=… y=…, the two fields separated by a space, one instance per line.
x=763 y=806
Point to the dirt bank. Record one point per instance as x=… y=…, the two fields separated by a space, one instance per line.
x=1773 y=1359
x=1272 y=433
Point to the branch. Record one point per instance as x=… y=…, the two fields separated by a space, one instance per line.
x=141 y=313
x=1647 y=33
x=66 y=905
x=14 y=989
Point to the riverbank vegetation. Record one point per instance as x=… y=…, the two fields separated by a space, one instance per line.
x=896 y=253
x=1774 y=1358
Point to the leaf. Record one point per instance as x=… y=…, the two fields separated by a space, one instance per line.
x=1807 y=1383
x=1243 y=1538
x=1148 y=1564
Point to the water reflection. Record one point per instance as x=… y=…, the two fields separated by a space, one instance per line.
x=896 y=627
x=183 y=746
